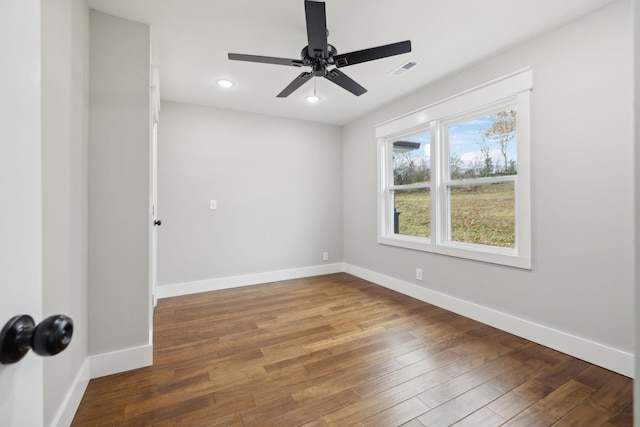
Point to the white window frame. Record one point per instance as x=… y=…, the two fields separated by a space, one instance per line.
x=513 y=89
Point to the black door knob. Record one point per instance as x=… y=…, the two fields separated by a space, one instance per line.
x=49 y=337
x=157 y=222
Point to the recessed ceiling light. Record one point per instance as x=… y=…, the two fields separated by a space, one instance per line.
x=312 y=99
x=224 y=83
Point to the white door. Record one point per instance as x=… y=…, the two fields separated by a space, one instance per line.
x=21 y=384
x=155 y=113
x=154 y=209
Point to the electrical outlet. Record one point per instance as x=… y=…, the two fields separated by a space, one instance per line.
x=325 y=256
x=419 y=273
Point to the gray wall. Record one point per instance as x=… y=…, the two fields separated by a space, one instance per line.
x=278 y=184
x=65 y=98
x=119 y=294
x=582 y=186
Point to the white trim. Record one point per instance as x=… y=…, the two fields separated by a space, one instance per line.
x=72 y=400
x=475 y=252
x=602 y=355
x=487 y=93
x=121 y=360
x=177 y=289
x=523 y=189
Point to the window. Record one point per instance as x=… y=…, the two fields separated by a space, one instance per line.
x=454 y=176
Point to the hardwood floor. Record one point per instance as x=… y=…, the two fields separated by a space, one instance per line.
x=336 y=350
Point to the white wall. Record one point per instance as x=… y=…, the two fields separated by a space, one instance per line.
x=65 y=97
x=581 y=283
x=119 y=287
x=277 y=182
x=636 y=38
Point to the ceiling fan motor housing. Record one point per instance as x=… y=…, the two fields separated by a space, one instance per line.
x=319 y=63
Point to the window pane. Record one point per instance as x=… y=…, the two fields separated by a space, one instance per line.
x=412 y=212
x=412 y=160
x=483 y=214
x=484 y=146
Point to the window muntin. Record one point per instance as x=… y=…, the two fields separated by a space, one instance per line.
x=461 y=176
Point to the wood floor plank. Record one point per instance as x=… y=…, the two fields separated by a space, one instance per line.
x=313 y=409
x=398 y=414
x=539 y=352
x=154 y=414
x=595 y=376
x=624 y=417
x=483 y=417
x=584 y=415
x=407 y=373
x=614 y=395
x=562 y=372
x=510 y=380
x=460 y=407
x=384 y=399
x=469 y=380
x=520 y=398
x=469 y=363
x=344 y=380
x=336 y=350
x=554 y=406
x=268 y=410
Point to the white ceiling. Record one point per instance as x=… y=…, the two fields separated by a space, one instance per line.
x=191 y=39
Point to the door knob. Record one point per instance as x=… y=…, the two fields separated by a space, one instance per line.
x=157 y=222
x=20 y=333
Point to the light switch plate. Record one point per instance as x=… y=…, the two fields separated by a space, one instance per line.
x=213 y=205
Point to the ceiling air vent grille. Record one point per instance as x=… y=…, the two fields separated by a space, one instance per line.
x=404 y=68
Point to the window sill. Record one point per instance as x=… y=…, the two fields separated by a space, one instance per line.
x=488 y=254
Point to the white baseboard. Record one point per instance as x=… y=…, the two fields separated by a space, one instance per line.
x=122 y=360
x=610 y=358
x=166 y=291
x=72 y=400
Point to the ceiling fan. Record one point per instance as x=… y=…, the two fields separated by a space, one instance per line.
x=322 y=57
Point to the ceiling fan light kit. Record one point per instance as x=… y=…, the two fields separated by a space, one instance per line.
x=312 y=99
x=322 y=57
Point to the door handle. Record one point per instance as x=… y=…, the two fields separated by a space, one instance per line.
x=157 y=222
x=20 y=333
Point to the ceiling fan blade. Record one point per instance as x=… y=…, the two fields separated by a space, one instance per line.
x=373 y=53
x=295 y=84
x=341 y=79
x=265 y=59
x=316 y=28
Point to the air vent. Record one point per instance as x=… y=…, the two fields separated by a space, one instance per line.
x=404 y=67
